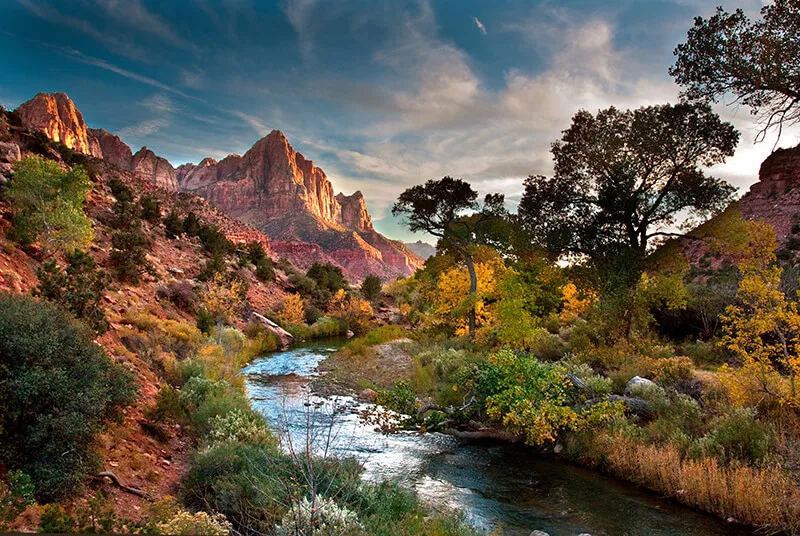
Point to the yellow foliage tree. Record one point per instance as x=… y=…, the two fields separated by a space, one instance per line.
x=451 y=296
x=574 y=303
x=292 y=311
x=356 y=311
x=763 y=329
x=225 y=297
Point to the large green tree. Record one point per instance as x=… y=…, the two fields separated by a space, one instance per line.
x=48 y=204
x=624 y=178
x=755 y=63
x=438 y=206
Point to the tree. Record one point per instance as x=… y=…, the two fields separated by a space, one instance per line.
x=371 y=288
x=225 y=297
x=757 y=62
x=436 y=207
x=150 y=209
x=623 y=178
x=48 y=203
x=763 y=328
x=79 y=288
x=292 y=311
x=57 y=387
x=356 y=312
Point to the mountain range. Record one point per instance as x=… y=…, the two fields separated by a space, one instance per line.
x=272 y=188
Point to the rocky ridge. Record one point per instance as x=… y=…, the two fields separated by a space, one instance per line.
x=271 y=187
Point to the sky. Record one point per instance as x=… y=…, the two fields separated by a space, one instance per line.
x=380 y=94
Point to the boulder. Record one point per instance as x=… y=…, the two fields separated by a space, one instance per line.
x=539 y=533
x=284 y=338
x=637 y=384
x=368 y=395
x=9 y=152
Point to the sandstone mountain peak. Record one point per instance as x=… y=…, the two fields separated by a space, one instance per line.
x=56 y=115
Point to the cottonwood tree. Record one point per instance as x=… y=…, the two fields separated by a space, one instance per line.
x=624 y=178
x=437 y=207
x=757 y=63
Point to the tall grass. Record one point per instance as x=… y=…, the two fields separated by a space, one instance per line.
x=765 y=497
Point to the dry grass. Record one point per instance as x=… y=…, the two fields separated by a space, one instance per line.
x=764 y=497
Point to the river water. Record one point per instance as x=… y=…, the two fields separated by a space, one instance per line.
x=496 y=485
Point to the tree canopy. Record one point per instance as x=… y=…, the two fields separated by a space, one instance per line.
x=48 y=204
x=623 y=178
x=755 y=62
x=437 y=207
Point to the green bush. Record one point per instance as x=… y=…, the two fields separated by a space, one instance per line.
x=738 y=436
x=150 y=209
x=173 y=225
x=191 y=224
x=371 y=288
x=15 y=496
x=79 y=288
x=56 y=389
x=128 y=255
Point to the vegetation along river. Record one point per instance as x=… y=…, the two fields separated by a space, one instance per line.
x=496 y=485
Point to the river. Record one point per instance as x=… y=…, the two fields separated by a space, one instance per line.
x=496 y=485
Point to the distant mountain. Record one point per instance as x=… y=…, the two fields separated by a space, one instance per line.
x=271 y=187
x=422 y=249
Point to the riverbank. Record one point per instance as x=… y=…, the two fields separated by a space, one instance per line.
x=407 y=373
x=494 y=483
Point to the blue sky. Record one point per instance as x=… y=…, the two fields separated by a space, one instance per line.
x=380 y=94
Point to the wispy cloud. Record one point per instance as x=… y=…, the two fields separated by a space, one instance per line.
x=299 y=13
x=103 y=64
x=160 y=104
x=133 y=14
x=254 y=122
x=479 y=24
x=144 y=128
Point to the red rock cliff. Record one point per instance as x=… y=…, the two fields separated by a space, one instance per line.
x=56 y=115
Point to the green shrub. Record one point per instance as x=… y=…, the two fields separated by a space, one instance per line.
x=120 y=190
x=79 y=288
x=50 y=368
x=47 y=204
x=55 y=520
x=191 y=224
x=215 y=241
x=15 y=496
x=173 y=225
x=707 y=353
x=128 y=255
x=150 y=209
x=371 y=288
x=265 y=271
x=327 y=276
x=738 y=436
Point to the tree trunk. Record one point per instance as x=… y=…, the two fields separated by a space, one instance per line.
x=473 y=288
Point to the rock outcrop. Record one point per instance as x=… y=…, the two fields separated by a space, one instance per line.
x=423 y=249
x=113 y=150
x=775 y=198
x=276 y=189
x=56 y=115
x=147 y=165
